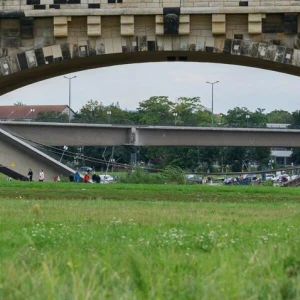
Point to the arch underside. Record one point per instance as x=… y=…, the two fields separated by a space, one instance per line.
x=258 y=55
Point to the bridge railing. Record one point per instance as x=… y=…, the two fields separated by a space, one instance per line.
x=166 y=123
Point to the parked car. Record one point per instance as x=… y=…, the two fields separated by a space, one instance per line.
x=106 y=178
x=269 y=176
x=294 y=177
x=192 y=179
x=250 y=177
x=281 y=178
x=85 y=169
x=231 y=181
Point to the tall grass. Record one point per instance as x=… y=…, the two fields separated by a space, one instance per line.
x=123 y=249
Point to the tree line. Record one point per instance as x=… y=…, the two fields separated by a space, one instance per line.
x=185 y=111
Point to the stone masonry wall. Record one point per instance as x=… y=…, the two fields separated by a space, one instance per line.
x=52 y=5
x=30 y=42
x=40 y=32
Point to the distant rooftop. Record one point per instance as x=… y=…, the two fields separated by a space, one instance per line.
x=28 y=111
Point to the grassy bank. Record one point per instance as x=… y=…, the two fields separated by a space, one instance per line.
x=69 y=241
x=146 y=192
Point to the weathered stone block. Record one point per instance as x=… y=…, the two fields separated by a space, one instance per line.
x=184 y=29
x=218 y=24
x=254 y=23
x=218 y=18
x=254 y=18
x=60 y=26
x=127 y=20
x=255 y=28
x=159 y=24
x=60 y=20
x=127 y=25
x=218 y=28
x=94 y=25
x=184 y=25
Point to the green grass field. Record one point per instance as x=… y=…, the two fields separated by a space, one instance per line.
x=121 y=241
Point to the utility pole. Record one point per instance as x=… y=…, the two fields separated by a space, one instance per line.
x=70 y=79
x=212 y=101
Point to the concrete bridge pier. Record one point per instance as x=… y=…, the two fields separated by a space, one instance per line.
x=20 y=156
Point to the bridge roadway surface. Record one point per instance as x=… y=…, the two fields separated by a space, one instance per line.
x=75 y=134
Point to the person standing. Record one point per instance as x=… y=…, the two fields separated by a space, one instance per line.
x=94 y=177
x=41 y=175
x=71 y=177
x=76 y=176
x=86 y=177
x=30 y=174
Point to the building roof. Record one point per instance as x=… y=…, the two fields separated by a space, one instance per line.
x=281 y=153
x=27 y=111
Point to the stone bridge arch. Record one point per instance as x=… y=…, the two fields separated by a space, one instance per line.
x=37 y=45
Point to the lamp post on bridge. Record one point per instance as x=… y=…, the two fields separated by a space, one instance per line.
x=175 y=114
x=108 y=115
x=247 y=117
x=212 y=101
x=70 y=79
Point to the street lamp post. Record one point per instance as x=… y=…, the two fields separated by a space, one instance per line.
x=212 y=101
x=108 y=115
x=175 y=117
x=65 y=149
x=70 y=78
x=247 y=117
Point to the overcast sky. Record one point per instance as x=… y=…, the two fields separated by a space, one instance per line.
x=130 y=84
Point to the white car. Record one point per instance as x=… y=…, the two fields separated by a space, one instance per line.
x=270 y=176
x=281 y=178
x=294 y=177
x=106 y=178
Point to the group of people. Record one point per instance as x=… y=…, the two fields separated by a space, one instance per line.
x=74 y=177
x=86 y=178
x=41 y=175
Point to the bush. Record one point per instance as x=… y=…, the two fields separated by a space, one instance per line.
x=139 y=175
x=174 y=175
x=267 y=183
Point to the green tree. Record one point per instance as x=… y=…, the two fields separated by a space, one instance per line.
x=295 y=122
x=296 y=156
x=186 y=109
x=208 y=155
x=132 y=117
x=100 y=156
x=52 y=116
x=258 y=118
x=258 y=154
x=234 y=156
x=96 y=112
x=190 y=112
x=242 y=117
x=156 y=111
x=279 y=117
x=236 y=117
x=19 y=103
